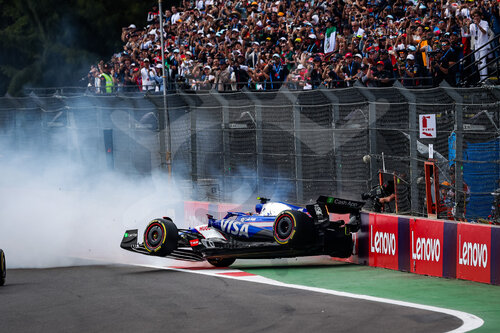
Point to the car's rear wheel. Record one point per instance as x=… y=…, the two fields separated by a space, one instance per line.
x=3 y=268
x=293 y=228
x=160 y=237
x=221 y=262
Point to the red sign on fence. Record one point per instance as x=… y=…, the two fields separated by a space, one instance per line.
x=383 y=241
x=474 y=252
x=426 y=247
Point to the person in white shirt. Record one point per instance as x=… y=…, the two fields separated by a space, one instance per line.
x=148 y=75
x=358 y=31
x=175 y=15
x=479 y=37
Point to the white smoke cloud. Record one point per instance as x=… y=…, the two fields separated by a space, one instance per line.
x=57 y=213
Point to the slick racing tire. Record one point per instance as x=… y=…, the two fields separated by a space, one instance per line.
x=3 y=269
x=293 y=228
x=160 y=237
x=221 y=262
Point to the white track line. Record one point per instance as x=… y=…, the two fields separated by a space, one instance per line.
x=470 y=321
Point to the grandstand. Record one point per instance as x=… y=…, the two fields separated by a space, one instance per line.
x=262 y=45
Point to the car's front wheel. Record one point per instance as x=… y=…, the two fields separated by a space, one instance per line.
x=3 y=268
x=161 y=237
x=221 y=262
x=293 y=228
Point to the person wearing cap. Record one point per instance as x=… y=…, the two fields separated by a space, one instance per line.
x=365 y=76
x=223 y=76
x=277 y=72
x=381 y=76
x=205 y=78
x=410 y=72
x=441 y=65
x=350 y=69
x=148 y=75
x=107 y=83
x=252 y=54
x=312 y=45
x=384 y=56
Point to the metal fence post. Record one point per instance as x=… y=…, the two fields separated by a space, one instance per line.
x=372 y=131
x=334 y=100
x=225 y=140
x=299 y=186
x=459 y=136
x=413 y=126
x=258 y=136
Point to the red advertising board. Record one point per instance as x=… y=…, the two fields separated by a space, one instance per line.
x=426 y=239
x=383 y=241
x=474 y=252
x=195 y=213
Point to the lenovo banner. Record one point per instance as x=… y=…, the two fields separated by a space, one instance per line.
x=383 y=241
x=426 y=247
x=474 y=252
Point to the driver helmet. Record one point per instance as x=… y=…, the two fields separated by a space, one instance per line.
x=258 y=208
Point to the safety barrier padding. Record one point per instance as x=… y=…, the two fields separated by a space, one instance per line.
x=431 y=247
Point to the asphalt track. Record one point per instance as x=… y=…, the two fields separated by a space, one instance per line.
x=114 y=298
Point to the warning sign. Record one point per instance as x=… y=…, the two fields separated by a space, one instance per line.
x=427 y=128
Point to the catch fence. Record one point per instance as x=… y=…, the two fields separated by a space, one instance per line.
x=287 y=145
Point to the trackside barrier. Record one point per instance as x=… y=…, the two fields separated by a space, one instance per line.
x=417 y=245
x=431 y=247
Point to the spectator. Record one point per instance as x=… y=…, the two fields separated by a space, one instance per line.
x=350 y=69
x=381 y=76
x=239 y=42
x=479 y=32
x=106 y=83
x=410 y=71
x=148 y=75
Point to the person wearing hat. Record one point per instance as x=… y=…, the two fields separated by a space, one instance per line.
x=148 y=75
x=350 y=69
x=381 y=76
x=107 y=83
x=442 y=65
x=252 y=54
x=384 y=56
x=277 y=71
x=410 y=72
x=206 y=78
x=312 y=45
x=223 y=76
x=365 y=76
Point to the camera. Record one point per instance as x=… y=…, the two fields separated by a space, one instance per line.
x=374 y=194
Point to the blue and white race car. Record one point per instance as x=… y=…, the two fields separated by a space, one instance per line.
x=276 y=230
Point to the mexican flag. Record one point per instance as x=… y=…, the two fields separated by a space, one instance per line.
x=330 y=38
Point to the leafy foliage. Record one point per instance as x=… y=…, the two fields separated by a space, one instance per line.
x=49 y=43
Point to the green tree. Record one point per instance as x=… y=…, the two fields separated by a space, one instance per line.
x=51 y=43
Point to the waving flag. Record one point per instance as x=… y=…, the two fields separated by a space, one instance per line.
x=330 y=38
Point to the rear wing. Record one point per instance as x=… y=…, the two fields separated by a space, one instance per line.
x=325 y=205
x=341 y=206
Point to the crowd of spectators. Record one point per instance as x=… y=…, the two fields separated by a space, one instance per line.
x=264 y=44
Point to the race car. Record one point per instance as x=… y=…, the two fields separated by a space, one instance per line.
x=275 y=230
x=3 y=269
